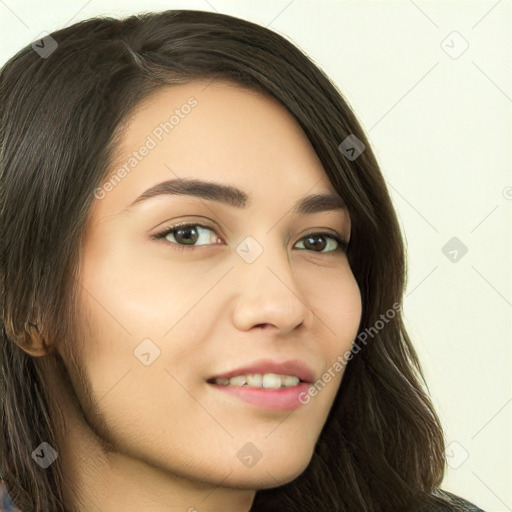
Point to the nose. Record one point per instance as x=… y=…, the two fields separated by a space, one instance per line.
x=269 y=295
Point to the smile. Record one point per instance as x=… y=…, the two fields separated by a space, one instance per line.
x=259 y=380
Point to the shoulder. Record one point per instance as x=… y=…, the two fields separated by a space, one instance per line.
x=457 y=504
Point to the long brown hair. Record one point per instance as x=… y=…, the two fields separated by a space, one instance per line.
x=382 y=446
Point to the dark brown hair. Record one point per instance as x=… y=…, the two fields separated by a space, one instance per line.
x=382 y=446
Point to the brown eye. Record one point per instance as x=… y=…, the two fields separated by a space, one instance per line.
x=315 y=242
x=185 y=235
x=318 y=242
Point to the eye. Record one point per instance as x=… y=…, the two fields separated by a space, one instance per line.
x=318 y=241
x=186 y=235
x=182 y=236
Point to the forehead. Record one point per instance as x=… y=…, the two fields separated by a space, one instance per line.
x=217 y=131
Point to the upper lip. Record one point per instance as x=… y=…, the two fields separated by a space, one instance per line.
x=291 y=367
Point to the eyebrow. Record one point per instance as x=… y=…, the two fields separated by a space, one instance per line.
x=234 y=196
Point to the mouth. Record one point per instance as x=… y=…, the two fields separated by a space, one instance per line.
x=267 y=384
x=266 y=374
x=258 y=380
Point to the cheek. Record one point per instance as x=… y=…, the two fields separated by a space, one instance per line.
x=144 y=286
x=346 y=308
x=338 y=308
x=137 y=307
x=336 y=300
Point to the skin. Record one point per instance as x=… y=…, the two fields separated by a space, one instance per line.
x=159 y=437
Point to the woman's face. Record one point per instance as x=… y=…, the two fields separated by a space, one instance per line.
x=248 y=293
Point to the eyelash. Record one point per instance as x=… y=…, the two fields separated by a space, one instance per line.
x=342 y=244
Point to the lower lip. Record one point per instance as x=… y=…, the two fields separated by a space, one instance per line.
x=282 y=399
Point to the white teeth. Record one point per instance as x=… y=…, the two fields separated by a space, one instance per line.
x=239 y=380
x=255 y=380
x=289 y=381
x=271 y=380
x=258 y=380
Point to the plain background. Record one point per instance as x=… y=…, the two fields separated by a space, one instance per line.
x=438 y=116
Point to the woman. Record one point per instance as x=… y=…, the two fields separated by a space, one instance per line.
x=187 y=163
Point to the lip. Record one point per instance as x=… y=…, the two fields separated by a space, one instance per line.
x=282 y=399
x=291 y=367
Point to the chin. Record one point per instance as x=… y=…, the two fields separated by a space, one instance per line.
x=268 y=475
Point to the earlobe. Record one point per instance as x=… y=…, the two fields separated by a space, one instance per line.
x=32 y=341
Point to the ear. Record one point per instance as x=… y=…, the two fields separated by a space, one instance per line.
x=32 y=342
